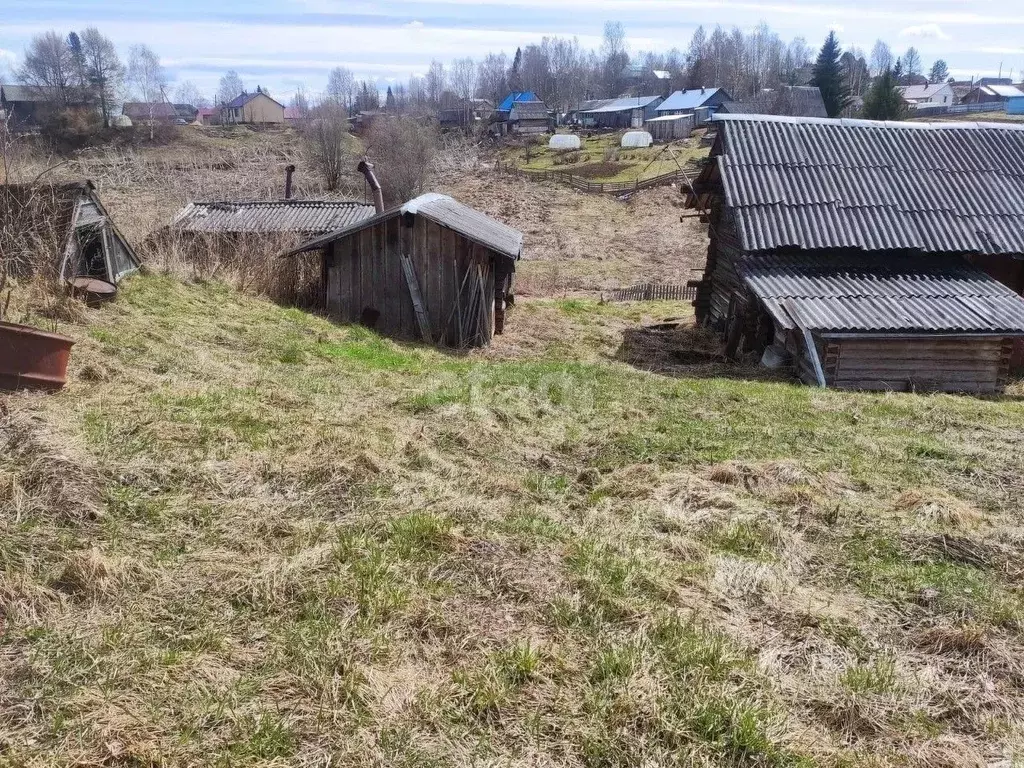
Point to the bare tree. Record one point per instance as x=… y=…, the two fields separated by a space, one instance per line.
x=492 y=77
x=882 y=59
x=147 y=76
x=435 y=83
x=615 y=56
x=402 y=149
x=300 y=103
x=341 y=86
x=327 y=142
x=911 y=64
x=230 y=87
x=48 y=65
x=103 y=70
x=189 y=93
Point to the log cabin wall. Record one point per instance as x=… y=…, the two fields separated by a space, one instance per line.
x=365 y=280
x=946 y=364
x=720 y=279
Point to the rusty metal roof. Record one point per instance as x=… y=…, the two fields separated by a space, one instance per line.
x=307 y=217
x=447 y=212
x=858 y=294
x=823 y=184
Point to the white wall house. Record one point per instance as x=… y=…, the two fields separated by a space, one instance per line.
x=932 y=95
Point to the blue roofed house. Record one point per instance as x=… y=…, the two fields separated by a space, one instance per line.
x=701 y=102
x=521 y=112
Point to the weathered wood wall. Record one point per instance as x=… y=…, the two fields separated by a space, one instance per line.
x=946 y=364
x=364 y=272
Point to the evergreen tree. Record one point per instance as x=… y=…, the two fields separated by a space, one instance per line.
x=828 y=77
x=389 y=103
x=515 y=78
x=884 y=101
x=939 y=72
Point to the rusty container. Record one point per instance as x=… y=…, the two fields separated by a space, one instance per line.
x=31 y=358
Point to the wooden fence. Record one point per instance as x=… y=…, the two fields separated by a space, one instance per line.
x=602 y=187
x=654 y=292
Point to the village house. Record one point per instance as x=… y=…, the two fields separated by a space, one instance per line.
x=252 y=109
x=867 y=255
x=1006 y=95
x=702 y=103
x=792 y=100
x=619 y=114
x=465 y=114
x=27 y=107
x=432 y=269
x=928 y=95
x=143 y=112
x=521 y=112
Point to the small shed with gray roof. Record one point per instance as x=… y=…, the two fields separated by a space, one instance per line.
x=885 y=256
x=432 y=269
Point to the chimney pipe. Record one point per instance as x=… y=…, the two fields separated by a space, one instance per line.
x=288 y=171
x=366 y=169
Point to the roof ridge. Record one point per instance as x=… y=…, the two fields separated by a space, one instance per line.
x=848 y=122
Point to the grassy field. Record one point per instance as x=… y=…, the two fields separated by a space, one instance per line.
x=245 y=536
x=602 y=159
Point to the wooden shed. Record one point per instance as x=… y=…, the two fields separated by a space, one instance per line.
x=433 y=269
x=866 y=255
x=69 y=225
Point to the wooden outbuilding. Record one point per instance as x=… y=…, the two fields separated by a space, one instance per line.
x=433 y=269
x=866 y=255
x=64 y=229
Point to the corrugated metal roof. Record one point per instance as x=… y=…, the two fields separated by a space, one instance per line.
x=308 y=217
x=690 y=99
x=824 y=184
x=1006 y=91
x=793 y=100
x=445 y=211
x=624 y=104
x=883 y=295
x=37 y=93
x=515 y=97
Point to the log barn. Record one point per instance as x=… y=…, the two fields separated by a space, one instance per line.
x=433 y=269
x=867 y=255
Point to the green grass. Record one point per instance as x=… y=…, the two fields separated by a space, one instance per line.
x=636 y=163
x=249 y=536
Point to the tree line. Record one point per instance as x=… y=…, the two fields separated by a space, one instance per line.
x=84 y=68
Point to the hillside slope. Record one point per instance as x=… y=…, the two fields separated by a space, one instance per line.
x=246 y=536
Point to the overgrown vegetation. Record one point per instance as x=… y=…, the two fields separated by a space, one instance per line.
x=244 y=535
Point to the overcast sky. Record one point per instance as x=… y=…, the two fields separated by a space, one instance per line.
x=284 y=43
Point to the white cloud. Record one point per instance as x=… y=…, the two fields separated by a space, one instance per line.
x=414 y=25
x=925 y=31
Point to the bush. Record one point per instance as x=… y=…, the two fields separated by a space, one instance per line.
x=402 y=149
x=71 y=129
x=328 y=144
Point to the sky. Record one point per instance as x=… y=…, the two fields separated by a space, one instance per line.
x=282 y=44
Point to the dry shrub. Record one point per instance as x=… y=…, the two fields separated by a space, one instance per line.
x=252 y=263
x=328 y=144
x=402 y=150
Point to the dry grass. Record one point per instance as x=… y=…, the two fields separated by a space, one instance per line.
x=243 y=535
x=579 y=244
